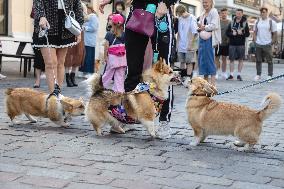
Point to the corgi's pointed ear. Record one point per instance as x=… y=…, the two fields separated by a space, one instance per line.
x=66 y=105
x=159 y=65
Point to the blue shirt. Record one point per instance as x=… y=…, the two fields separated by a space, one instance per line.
x=91 y=29
x=110 y=38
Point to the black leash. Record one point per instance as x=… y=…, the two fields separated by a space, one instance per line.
x=252 y=85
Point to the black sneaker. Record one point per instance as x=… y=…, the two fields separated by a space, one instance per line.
x=239 y=78
x=230 y=77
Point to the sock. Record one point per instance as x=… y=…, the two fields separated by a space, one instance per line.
x=183 y=72
x=239 y=73
x=232 y=73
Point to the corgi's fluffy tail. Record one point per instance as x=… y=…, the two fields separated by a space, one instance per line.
x=9 y=91
x=271 y=103
x=95 y=83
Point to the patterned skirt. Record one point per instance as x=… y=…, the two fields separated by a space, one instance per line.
x=55 y=41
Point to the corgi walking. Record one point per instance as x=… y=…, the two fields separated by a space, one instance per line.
x=115 y=55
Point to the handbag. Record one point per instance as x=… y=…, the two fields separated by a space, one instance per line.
x=205 y=35
x=141 y=22
x=70 y=23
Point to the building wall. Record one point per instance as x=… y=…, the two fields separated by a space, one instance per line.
x=19 y=21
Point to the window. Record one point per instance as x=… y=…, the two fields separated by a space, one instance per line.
x=190 y=8
x=3 y=17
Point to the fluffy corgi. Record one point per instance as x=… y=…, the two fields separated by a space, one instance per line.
x=138 y=106
x=209 y=117
x=35 y=103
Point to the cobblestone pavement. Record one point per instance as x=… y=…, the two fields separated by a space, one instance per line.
x=42 y=155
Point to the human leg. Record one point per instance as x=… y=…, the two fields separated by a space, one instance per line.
x=119 y=77
x=61 y=54
x=107 y=77
x=135 y=44
x=50 y=60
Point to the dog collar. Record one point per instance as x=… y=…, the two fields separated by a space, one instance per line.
x=158 y=102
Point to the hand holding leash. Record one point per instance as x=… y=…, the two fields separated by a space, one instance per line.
x=43 y=23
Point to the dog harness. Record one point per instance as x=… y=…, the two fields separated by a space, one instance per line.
x=119 y=112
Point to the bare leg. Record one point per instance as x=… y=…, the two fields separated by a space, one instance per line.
x=224 y=64
x=37 y=75
x=61 y=54
x=213 y=80
x=240 y=66
x=67 y=69
x=50 y=60
x=189 y=68
x=231 y=66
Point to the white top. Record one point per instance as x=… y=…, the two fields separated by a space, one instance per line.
x=186 y=27
x=60 y=4
x=213 y=24
x=264 y=36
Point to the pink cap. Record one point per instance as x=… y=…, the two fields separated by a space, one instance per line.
x=117 y=19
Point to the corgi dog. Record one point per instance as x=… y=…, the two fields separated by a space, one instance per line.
x=35 y=103
x=138 y=106
x=210 y=117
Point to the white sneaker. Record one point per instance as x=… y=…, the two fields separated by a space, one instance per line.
x=42 y=76
x=269 y=77
x=224 y=75
x=257 y=78
x=2 y=76
x=163 y=131
x=186 y=82
x=217 y=76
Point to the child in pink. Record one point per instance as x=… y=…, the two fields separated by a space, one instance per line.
x=115 y=55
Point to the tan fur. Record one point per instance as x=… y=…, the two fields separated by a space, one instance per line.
x=97 y=65
x=139 y=106
x=33 y=103
x=209 y=117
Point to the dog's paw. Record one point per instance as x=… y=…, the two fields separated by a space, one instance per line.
x=13 y=123
x=117 y=129
x=33 y=121
x=239 y=143
x=65 y=125
x=195 y=142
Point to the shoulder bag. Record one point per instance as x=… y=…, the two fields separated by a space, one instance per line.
x=70 y=23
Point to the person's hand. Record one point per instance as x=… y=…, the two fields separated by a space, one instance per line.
x=102 y=5
x=201 y=28
x=78 y=38
x=240 y=32
x=161 y=10
x=43 y=23
x=128 y=3
x=234 y=33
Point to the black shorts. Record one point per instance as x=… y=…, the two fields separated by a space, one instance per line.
x=223 y=51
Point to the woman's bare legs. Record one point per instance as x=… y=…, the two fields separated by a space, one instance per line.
x=37 y=77
x=61 y=54
x=50 y=61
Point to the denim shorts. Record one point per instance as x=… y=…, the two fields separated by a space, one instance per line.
x=188 y=57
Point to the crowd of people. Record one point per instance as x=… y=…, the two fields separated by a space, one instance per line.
x=198 y=43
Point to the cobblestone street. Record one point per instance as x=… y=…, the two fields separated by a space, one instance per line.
x=42 y=155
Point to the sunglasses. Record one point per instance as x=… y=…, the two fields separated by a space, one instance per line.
x=263 y=12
